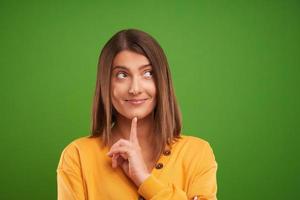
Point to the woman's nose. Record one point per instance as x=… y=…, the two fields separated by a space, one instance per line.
x=134 y=87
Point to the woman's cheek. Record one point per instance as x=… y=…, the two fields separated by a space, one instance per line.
x=151 y=89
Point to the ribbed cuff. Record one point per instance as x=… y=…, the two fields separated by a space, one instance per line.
x=150 y=187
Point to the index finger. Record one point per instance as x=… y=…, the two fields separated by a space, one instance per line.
x=133 y=131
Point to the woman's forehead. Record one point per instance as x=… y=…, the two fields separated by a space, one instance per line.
x=129 y=60
x=140 y=68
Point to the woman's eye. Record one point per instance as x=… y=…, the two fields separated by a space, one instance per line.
x=121 y=75
x=148 y=74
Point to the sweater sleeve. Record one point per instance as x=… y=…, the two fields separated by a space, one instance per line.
x=70 y=184
x=203 y=184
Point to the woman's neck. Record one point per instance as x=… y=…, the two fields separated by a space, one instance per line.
x=122 y=128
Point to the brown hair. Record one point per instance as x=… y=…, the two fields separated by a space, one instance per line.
x=167 y=116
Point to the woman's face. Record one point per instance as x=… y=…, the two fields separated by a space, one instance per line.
x=133 y=90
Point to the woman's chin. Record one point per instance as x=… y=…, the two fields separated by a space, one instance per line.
x=136 y=114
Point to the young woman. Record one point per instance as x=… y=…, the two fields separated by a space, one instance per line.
x=136 y=149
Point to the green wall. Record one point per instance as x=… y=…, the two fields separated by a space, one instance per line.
x=235 y=66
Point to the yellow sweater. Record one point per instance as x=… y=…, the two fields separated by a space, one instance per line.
x=187 y=170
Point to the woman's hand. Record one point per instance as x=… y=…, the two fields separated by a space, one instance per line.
x=128 y=154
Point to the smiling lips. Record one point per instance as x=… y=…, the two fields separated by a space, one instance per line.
x=136 y=101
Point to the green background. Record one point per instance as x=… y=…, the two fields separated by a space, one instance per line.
x=235 y=66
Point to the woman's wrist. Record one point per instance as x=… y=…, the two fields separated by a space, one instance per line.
x=141 y=179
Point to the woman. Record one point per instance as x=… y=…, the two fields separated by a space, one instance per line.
x=136 y=149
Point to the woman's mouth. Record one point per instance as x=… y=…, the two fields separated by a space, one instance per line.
x=136 y=101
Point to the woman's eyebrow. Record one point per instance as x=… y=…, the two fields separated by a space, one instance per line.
x=126 y=68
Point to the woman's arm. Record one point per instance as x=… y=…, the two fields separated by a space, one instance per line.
x=202 y=181
x=203 y=184
x=70 y=185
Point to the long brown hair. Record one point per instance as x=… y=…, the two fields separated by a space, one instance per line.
x=167 y=116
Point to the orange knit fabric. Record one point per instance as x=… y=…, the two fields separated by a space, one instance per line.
x=84 y=172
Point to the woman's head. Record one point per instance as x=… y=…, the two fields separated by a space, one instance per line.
x=132 y=49
x=133 y=89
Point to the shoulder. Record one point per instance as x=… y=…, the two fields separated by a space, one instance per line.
x=80 y=148
x=83 y=143
x=194 y=149
x=193 y=142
